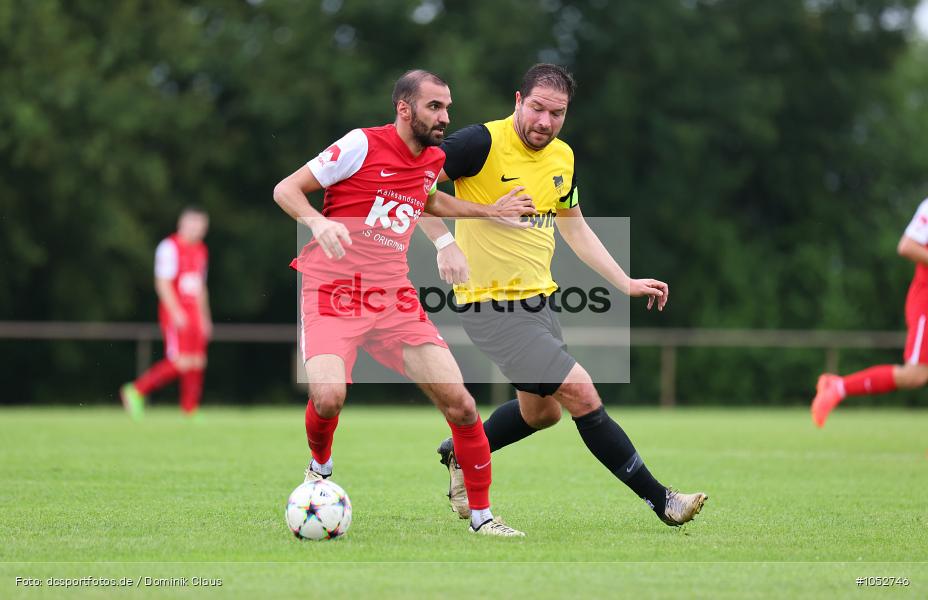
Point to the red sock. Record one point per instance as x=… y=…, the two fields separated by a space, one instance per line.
x=875 y=380
x=191 y=389
x=472 y=451
x=158 y=376
x=319 y=433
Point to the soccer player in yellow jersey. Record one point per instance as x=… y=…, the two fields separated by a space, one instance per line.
x=512 y=266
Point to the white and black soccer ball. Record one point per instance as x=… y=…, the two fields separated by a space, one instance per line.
x=318 y=510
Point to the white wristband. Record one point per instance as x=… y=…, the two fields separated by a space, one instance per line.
x=444 y=241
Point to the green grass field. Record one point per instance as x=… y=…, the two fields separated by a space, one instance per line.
x=793 y=511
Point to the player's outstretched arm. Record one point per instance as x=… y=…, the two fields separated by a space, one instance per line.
x=506 y=210
x=589 y=248
x=290 y=195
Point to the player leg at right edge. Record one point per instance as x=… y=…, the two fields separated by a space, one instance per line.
x=832 y=389
x=432 y=368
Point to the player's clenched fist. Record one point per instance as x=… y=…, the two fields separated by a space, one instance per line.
x=331 y=235
x=452 y=265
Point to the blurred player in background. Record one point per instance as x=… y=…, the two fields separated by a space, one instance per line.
x=184 y=315
x=486 y=160
x=832 y=389
x=355 y=290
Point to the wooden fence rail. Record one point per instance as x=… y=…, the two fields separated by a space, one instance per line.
x=668 y=340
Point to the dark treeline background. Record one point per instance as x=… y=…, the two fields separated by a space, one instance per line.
x=769 y=155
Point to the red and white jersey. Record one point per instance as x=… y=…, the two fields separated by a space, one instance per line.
x=378 y=190
x=918 y=231
x=185 y=265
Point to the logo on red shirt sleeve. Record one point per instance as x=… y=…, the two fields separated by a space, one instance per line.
x=429 y=181
x=330 y=154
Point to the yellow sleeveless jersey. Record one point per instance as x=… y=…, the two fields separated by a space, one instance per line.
x=487 y=161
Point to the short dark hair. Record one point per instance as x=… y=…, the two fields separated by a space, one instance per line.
x=407 y=86
x=551 y=76
x=194 y=209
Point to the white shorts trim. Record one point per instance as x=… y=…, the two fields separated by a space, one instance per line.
x=302 y=318
x=917 y=346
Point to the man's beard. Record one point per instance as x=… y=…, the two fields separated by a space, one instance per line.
x=526 y=132
x=424 y=135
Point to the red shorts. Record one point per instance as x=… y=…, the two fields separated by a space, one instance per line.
x=188 y=340
x=916 y=319
x=338 y=319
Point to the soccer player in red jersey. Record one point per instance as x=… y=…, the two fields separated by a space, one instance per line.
x=184 y=315
x=832 y=389
x=355 y=291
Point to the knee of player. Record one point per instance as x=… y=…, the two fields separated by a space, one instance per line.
x=328 y=402
x=579 y=399
x=195 y=362
x=182 y=363
x=547 y=418
x=920 y=377
x=463 y=412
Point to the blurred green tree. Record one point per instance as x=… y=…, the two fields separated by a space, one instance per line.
x=769 y=155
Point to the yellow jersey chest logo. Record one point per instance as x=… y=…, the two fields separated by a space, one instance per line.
x=545 y=189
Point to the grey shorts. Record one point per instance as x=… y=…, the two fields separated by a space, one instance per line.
x=523 y=338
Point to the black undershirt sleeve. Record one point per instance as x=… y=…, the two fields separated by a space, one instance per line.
x=466 y=151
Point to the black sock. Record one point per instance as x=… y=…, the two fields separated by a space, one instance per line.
x=611 y=446
x=506 y=426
